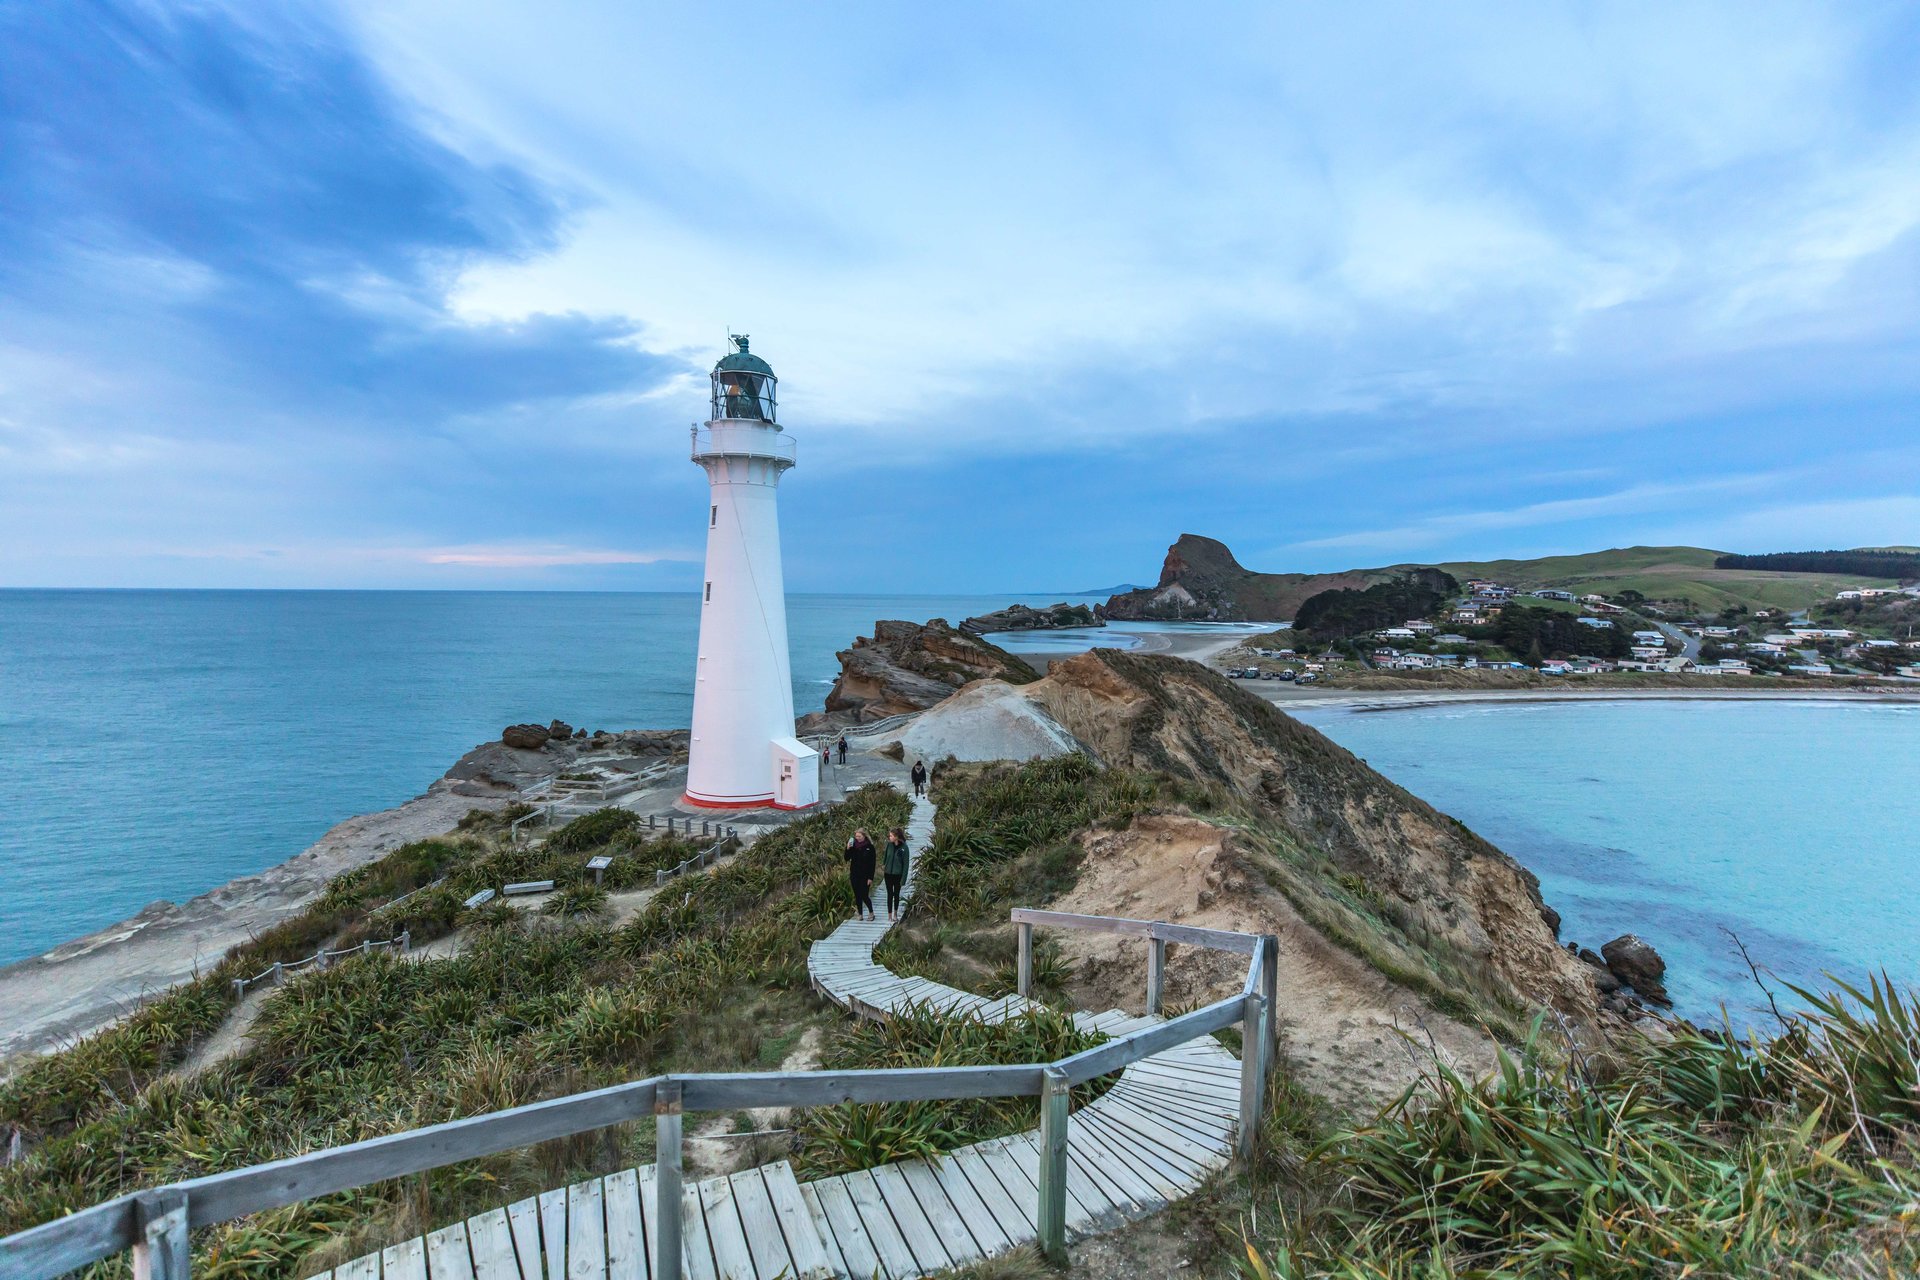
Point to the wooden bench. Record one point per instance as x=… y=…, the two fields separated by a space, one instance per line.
x=527 y=886
x=479 y=899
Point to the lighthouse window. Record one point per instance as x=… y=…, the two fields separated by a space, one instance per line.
x=709 y=593
x=713 y=518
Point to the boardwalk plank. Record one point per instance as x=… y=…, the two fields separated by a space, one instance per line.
x=553 y=1232
x=1016 y=1224
x=879 y=1224
x=448 y=1257
x=859 y=1256
x=491 y=1240
x=823 y=1229
x=586 y=1232
x=524 y=1217
x=1208 y=1136
x=404 y=1261
x=950 y=1226
x=765 y=1241
x=929 y=1253
x=804 y=1245
x=1127 y=1190
x=726 y=1236
x=626 y=1229
x=367 y=1268
x=696 y=1246
x=1171 y=1180
x=973 y=1209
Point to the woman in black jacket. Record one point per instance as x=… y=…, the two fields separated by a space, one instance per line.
x=860 y=862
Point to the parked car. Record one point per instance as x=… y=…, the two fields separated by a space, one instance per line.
x=1306 y=677
x=1286 y=675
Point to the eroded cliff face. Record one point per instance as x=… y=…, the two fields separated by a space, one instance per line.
x=1153 y=712
x=908 y=666
x=1200 y=579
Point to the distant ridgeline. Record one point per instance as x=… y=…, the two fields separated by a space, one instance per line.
x=1345 y=612
x=1860 y=563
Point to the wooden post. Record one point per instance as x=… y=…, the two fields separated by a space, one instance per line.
x=406 y=939
x=1253 y=1075
x=161 y=1251
x=653 y=821
x=278 y=972
x=1025 y=977
x=1270 y=992
x=239 y=988
x=1156 y=974
x=666 y=1179
x=1053 y=1164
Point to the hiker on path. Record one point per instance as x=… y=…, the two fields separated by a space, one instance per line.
x=842 y=744
x=860 y=859
x=919 y=776
x=894 y=867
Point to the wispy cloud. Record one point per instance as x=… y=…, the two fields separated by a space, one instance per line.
x=426 y=300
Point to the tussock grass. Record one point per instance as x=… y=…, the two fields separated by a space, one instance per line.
x=838 y=1139
x=1708 y=1155
x=532 y=1007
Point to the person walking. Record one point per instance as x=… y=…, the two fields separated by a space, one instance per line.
x=894 y=867
x=842 y=745
x=860 y=859
x=919 y=776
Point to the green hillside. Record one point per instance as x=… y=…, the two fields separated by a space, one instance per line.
x=1666 y=573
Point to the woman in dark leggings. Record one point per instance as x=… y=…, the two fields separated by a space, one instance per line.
x=894 y=867
x=860 y=860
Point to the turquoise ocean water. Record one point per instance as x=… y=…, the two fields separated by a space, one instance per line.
x=155 y=744
x=1793 y=825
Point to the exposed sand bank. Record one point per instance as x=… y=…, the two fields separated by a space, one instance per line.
x=1291 y=697
x=80 y=986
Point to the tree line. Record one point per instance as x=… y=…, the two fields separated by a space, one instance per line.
x=1863 y=564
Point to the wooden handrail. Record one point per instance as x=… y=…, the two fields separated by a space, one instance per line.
x=130 y=1221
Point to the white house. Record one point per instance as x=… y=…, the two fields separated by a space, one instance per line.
x=1649 y=652
x=1812 y=668
x=1651 y=637
x=1595 y=622
x=1394 y=633
x=1419 y=624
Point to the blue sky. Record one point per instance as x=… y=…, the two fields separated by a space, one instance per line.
x=423 y=295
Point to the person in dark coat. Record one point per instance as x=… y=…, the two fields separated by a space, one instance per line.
x=893 y=866
x=861 y=857
x=919 y=776
x=843 y=748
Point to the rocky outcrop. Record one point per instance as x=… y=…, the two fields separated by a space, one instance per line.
x=1634 y=961
x=1200 y=580
x=525 y=737
x=1020 y=617
x=510 y=765
x=909 y=666
x=1438 y=882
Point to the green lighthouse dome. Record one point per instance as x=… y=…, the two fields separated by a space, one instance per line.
x=743 y=384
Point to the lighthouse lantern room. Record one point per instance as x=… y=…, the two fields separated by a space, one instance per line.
x=744 y=753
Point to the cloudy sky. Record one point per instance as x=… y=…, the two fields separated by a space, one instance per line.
x=407 y=294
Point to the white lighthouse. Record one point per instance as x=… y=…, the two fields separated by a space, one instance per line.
x=744 y=753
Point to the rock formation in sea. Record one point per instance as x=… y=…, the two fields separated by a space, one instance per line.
x=1020 y=617
x=1634 y=961
x=909 y=666
x=1201 y=581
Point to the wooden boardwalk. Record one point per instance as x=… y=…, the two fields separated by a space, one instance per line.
x=1162 y=1129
